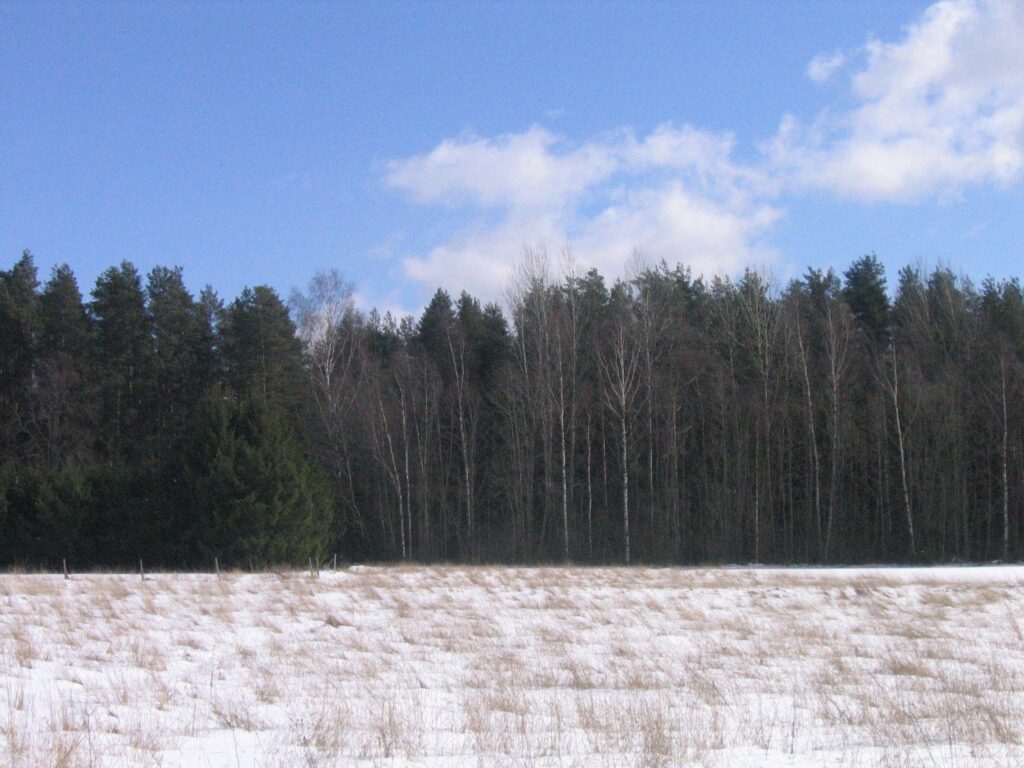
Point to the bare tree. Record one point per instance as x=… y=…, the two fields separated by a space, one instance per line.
x=762 y=324
x=838 y=329
x=330 y=328
x=567 y=328
x=457 y=350
x=652 y=315
x=620 y=372
x=797 y=329
x=894 y=393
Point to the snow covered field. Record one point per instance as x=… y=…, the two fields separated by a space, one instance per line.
x=514 y=666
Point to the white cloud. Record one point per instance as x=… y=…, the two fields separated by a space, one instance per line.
x=680 y=225
x=939 y=110
x=481 y=258
x=931 y=114
x=522 y=170
x=824 y=65
x=676 y=193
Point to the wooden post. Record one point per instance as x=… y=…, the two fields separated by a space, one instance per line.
x=142 y=573
x=216 y=567
x=64 y=562
x=334 y=563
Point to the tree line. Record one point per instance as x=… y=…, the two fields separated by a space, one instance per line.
x=664 y=419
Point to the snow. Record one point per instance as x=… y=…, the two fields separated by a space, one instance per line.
x=459 y=666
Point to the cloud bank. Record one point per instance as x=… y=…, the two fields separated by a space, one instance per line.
x=932 y=114
x=675 y=191
x=936 y=112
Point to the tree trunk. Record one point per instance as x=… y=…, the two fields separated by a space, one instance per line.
x=625 y=487
x=1005 y=462
x=816 y=465
x=590 y=498
x=902 y=450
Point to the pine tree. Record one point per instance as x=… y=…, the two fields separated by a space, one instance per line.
x=62 y=411
x=123 y=354
x=262 y=353
x=17 y=340
x=182 y=347
x=63 y=322
x=207 y=365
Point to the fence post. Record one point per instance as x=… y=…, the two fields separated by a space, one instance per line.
x=64 y=562
x=142 y=573
x=216 y=567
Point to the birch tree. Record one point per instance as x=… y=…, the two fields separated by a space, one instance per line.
x=620 y=369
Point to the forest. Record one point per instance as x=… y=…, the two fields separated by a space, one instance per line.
x=663 y=419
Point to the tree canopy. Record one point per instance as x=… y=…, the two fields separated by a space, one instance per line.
x=662 y=418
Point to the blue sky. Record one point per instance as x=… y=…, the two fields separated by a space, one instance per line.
x=417 y=144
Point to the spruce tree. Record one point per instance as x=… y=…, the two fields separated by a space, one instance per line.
x=866 y=295
x=48 y=515
x=253 y=496
x=434 y=330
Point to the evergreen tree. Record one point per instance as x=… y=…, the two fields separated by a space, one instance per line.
x=123 y=354
x=207 y=366
x=723 y=422
x=434 y=331
x=182 y=348
x=383 y=336
x=486 y=333
x=62 y=401
x=63 y=321
x=866 y=295
x=47 y=514
x=252 y=495
x=8 y=550
x=262 y=353
x=17 y=340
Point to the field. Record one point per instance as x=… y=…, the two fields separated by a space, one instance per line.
x=456 y=666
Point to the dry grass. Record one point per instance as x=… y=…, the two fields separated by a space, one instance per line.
x=513 y=666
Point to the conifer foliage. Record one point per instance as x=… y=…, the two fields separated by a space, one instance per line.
x=251 y=494
x=149 y=424
x=662 y=418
